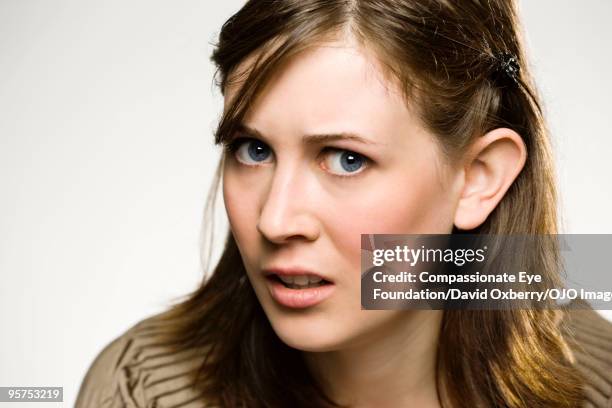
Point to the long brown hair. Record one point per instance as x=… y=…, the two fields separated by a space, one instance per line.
x=443 y=55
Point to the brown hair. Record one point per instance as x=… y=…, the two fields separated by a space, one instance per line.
x=442 y=54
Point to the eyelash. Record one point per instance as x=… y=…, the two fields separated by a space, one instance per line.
x=231 y=147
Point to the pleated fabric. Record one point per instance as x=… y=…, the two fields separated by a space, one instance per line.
x=591 y=345
x=136 y=371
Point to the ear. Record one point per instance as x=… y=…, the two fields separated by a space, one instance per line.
x=491 y=164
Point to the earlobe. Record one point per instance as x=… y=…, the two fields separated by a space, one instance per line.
x=492 y=164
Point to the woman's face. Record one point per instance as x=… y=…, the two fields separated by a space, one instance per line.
x=332 y=152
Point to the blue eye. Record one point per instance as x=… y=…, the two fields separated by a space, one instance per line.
x=339 y=162
x=345 y=162
x=250 y=151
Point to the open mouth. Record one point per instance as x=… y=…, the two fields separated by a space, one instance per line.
x=299 y=281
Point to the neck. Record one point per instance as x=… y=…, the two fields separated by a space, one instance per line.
x=395 y=366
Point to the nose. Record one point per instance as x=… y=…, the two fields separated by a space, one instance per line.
x=288 y=211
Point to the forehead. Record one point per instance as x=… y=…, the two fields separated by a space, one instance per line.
x=334 y=86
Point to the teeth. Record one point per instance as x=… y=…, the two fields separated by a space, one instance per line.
x=301 y=281
x=286 y=279
x=309 y=285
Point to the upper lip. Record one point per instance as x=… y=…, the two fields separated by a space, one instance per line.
x=292 y=271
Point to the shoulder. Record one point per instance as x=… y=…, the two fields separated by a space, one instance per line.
x=136 y=370
x=590 y=338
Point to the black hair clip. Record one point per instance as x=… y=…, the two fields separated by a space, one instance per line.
x=506 y=69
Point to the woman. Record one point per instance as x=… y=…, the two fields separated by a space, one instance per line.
x=351 y=117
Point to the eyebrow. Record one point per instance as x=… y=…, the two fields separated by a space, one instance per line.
x=317 y=138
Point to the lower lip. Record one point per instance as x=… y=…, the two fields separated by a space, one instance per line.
x=299 y=298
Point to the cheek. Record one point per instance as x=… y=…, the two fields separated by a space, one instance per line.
x=232 y=203
x=393 y=204
x=239 y=206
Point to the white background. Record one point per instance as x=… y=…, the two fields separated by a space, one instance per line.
x=106 y=118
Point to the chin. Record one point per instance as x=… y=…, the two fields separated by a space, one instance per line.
x=308 y=333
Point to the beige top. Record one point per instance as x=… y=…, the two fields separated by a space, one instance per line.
x=132 y=371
